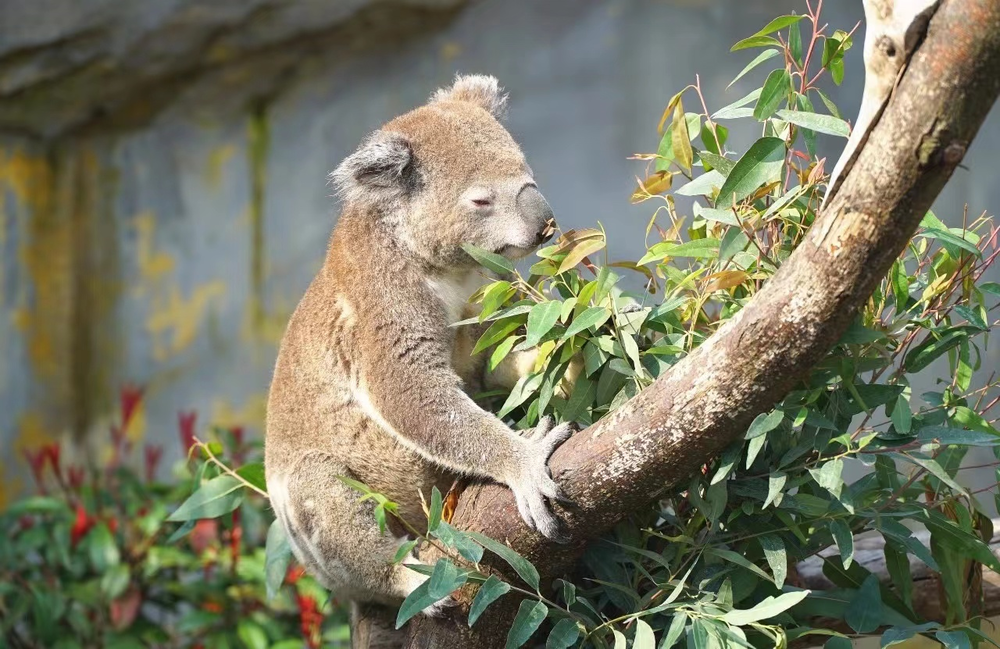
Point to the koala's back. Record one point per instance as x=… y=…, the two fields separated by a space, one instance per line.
x=313 y=410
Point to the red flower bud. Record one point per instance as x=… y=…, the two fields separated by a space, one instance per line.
x=81 y=525
x=129 y=397
x=152 y=455
x=186 y=421
x=76 y=475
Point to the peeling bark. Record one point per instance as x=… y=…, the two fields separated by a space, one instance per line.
x=937 y=100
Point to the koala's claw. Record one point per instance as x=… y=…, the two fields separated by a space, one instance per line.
x=535 y=484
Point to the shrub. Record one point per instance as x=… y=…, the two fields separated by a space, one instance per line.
x=93 y=559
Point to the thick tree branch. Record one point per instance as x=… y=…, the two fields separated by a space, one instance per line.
x=657 y=440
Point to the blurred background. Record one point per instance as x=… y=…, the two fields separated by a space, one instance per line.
x=163 y=197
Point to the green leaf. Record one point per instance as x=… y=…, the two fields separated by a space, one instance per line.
x=254 y=474
x=594 y=316
x=444 y=580
x=644 y=638
x=956 y=539
x=103 y=550
x=934 y=468
x=491 y=590
x=735 y=110
x=251 y=634
x=775 y=483
x=755 y=41
x=902 y=418
x=838 y=642
x=776 y=88
x=826 y=124
x=778 y=24
x=115 y=580
x=490 y=260
x=500 y=351
x=956 y=436
x=724 y=166
x=864 y=614
x=946 y=237
x=697 y=249
x=494 y=297
x=415 y=602
x=898 y=566
x=829 y=476
x=764 y=423
x=564 y=635
x=766 y=609
x=525 y=387
x=277 y=554
x=521 y=565
x=680 y=141
x=677 y=624
x=761 y=163
x=776 y=556
x=844 y=539
x=953 y=639
x=541 y=319
x=760 y=58
x=497 y=332
x=216 y=497
x=530 y=616
x=897 y=634
x=437 y=505
x=830 y=106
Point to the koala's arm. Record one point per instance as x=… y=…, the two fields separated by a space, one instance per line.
x=407 y=386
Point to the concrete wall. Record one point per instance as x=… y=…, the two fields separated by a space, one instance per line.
x=162 y=168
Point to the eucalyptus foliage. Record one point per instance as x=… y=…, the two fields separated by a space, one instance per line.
x=851 y=450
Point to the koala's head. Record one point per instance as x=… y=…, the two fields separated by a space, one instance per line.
x=449 y=173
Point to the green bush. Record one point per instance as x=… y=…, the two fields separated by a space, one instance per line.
x=94 y=559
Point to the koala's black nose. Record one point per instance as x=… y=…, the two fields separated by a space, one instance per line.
x=531 y=207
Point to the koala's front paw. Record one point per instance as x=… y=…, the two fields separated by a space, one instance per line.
x=534 y=482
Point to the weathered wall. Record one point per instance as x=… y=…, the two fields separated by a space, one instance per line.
x=162 y=167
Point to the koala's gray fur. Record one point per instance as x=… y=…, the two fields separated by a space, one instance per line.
x=370 y=381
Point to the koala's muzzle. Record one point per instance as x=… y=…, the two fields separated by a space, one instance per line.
x=533 y=208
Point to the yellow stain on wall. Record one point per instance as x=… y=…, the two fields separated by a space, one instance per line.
x=154 y=265
x=173 y=322
x=450 y=50
x=225 y=415
x=217 y=161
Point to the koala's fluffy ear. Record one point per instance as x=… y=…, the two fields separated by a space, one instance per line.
x=383 y=168
x=481 y=90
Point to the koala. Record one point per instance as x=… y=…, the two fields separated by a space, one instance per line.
x=371 y=382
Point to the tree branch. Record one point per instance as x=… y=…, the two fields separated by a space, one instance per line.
x=658 y=439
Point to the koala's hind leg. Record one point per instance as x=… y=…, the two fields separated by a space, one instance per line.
x=373 y=626
x=337 y=538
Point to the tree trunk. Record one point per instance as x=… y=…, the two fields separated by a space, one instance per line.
x=657 y=440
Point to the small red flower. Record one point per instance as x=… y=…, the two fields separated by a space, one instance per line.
x=53 y=452
x=237 y=433
x=75 y=475
x=112 y=524
x=186 y=421
x=294 y=574
x=129 y=397
x=81 y=525
x=125 y=609
x=310 y=620
x=37 y=461
x=205 y=532
x=26 y=522
x=152 y=454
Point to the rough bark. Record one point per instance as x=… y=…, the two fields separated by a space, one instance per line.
x=657 y=440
